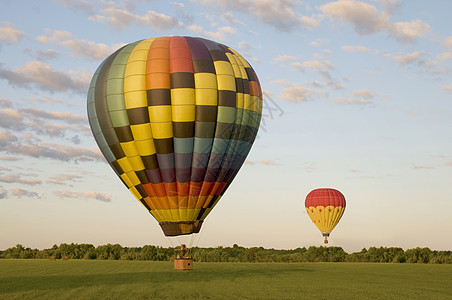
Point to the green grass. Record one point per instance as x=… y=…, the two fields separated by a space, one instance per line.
x=83 y=279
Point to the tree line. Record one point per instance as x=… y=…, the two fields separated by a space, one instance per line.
x=232 y=254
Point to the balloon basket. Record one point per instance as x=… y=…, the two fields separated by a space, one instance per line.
x=183 y=264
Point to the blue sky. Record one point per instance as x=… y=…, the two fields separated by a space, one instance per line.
x=357 y=97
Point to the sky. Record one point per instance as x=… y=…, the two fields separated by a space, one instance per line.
x=357 y=97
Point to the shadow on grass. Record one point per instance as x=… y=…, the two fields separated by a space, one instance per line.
x=205 y=274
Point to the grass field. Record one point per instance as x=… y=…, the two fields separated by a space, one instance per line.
x=84 y=279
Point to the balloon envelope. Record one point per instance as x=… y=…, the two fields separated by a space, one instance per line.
x=325 y=207
x=175 y=117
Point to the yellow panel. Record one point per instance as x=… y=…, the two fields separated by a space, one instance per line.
x=175 y=215
x=136 y=163
x=136 y=99
x=135 y=82
x=183 y=214
x=134 y=67
x=125 y=165
x=254 y=103
x=134 y=191
x=160 y=113
x=183 y=113
x=192 y=213
x=145 y=147
x=162 y=130
x=239 y=100
x=141 y=131
x=239 y=57
x=247 y=102
x=144 y=45
x=157 y=215
x=137 y=55
x=126 y=180
x=129 y=148
x=226 y=82
x=182 y=96
x=167 y=216
x=205 y=81
x=223 y=67
x=133 y=178
x=206 y=97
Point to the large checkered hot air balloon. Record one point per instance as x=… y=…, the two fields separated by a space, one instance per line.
x=325 y=207
x=175 y=117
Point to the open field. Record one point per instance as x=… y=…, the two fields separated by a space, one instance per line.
x=85 y=279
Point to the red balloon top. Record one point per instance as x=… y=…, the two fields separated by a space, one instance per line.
x=325 y=197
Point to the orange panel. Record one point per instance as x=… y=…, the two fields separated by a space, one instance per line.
x=158 y=81
x=158 y=53
x=201 y=201
x=148 y=187
x=161 y=42
x=183 y=188
x=206 y=188
x=192 y=201
x=182 y=201
x=181 y=65
x=150 y=203
x=171 y=188
x=172 y=202
x=158 y=65
x=178 y=41
x=195 y=188
x=254 y=91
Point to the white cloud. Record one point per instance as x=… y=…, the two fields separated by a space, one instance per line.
x=444 y=56
x=3 y=193
x=63 y=179
x=121 y=18
x=11 y=119
x=219 y=35
x=358 y=97
x=280 y=14
x=285 y=58
x=9 y=33
x=51 y=115
x=448 y=88
x=367 y=19
x=409 y=58
x=448 y=42
x=83 y=5
x=89 y=195
x=53 y=36
x=348 y=48
x=408 y=31
x=365 y=94
x=23 y=193
x=318 y=65
x=15 y=178
x=5 y=102
x=43 y=76
x=296 y=93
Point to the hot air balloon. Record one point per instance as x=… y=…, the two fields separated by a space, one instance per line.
x=325 y=207
x=175 y=117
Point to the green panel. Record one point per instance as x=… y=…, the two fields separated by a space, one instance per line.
x=202 y=145
x=226 y=114
x=183 y=145
x=220 y=145
x=115 y=86
x=116 y=102
x=119 y=118
x=95 y=127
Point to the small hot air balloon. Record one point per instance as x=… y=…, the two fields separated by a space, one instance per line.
x=325 y=207
x=175 y=117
